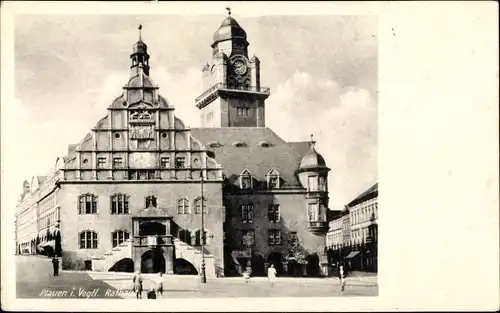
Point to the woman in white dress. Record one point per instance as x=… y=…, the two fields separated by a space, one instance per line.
x=271 y=275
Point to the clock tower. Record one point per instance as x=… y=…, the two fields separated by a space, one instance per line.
x=233 y=96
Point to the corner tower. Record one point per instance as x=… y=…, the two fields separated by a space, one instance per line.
x=233 y=96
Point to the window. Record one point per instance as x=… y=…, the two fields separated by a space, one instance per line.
x=243 y=111
x=313 y=183
x=273 y=211
x=247 y=213
x=313 y=212
x=88 y=204
x=101 y=162
x=322 y=183
x=246 y=180
x=183 y=206
x=88 y=240
x=274 y=237
x=273 y=179
x=199 y=238
x=197 y=205
x=151 y=201
x=119 y=237
x=119 y=204
x=117 y=162
x=248 y=238
x=165 y=162
x=179 y=162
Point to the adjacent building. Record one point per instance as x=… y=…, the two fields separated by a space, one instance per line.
x=130 y=195
x=353 y=234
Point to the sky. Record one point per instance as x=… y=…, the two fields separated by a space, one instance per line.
x=322 y=71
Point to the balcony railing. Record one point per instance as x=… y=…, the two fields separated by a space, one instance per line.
x=317 y=226
x=161 y=240
x=221 y=86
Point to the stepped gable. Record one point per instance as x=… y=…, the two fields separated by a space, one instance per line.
x=257 y=149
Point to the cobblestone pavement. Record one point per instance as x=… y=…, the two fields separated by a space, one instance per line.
x=35 y=276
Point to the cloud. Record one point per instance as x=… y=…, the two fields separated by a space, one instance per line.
x=343 y=121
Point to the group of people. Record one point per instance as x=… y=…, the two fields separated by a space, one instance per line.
x=156 y=288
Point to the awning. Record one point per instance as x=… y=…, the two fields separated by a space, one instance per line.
x=51 y=243
x=352 y=254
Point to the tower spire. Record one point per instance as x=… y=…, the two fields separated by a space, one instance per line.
x=140 y=32
x=228 y=8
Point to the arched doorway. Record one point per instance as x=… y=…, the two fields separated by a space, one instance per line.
x=258 y=266
x=152 y=261
x=275 y=259
x=183 y=267
x=124 y=265
x=313 y=265
x=148 y=228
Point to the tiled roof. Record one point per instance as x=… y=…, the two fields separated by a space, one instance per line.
x=240 y=148
x=370 y=193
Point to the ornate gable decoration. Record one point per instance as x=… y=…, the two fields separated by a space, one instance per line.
x=141 y=124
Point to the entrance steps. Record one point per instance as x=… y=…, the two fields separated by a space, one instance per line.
x=193 y=255
x=182 y=250
x=105 y=262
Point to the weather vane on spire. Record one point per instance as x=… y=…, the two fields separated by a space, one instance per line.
x=140 y=32
x=312 y=140
x=228 y=8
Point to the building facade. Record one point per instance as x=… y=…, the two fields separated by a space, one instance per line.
x=130 y=194
x=353 y=234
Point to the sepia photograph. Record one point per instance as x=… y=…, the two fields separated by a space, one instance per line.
x=196 y=156
x=227 y=156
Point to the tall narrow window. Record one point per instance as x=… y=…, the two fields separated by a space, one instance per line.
x=313 y=183
x=322 y=183
x=313 y=212
x=119 y=204
x=88 y=240
x=197 y=203
x=87 y=204
x=119 y=237
x=183 y=206
x=274 y=237
x=247 y=213
x=151 y=201
x=165 y=162
x=273 y=211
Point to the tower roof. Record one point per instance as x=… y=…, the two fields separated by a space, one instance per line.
x=312 y=159
x=140 y=47
x=229 y=29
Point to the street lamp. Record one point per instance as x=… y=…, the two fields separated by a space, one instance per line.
x=203 y=274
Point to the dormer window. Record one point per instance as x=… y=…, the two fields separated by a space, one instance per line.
x=246 y=181
x=273 y=179
x=239 y=144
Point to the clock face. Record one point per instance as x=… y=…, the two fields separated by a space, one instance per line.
x=240 y=67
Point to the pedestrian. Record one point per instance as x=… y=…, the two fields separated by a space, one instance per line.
x=138 y=284
x=55 y=265
x=342 y=277
x=159 y=284
x=151 y=294
x=271 y=275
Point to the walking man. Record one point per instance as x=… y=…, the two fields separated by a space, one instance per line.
x=342 y=277
x=55 y=265
x=138 y=285
x=159 y=284
x=271 y=275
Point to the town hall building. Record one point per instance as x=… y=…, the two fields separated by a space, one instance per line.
x=131 y=194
